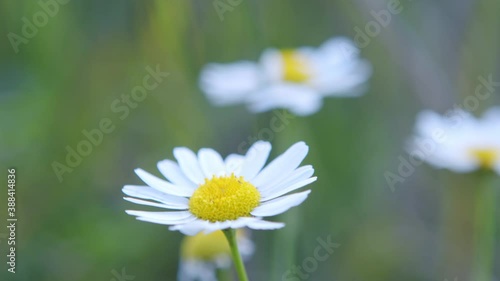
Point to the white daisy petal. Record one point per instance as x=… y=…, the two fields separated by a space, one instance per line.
x=190 y=270
x=161 y=185
x=146 y=192
x=172 y=172
x=282 y=165
x=429 y=122
x=295 y=176
x=246 y=247
x=299 y=99
x=211 y=163
x=189 y=164
x=173 y=216
x=280 y=191
x=230 y=83
x=493 y=114
x=234 y=163
x=346 y=83
x=339 y=50
x=255 y=159
x=242 y=222
x=224 y=261
x=146 y=203
x=280 y=205
x=191 y=228
x=265 y=225
x=213 y=226
x=271 y=63
x=306 y=106
x=167 y=221
x=239 y=223
x=497 y=167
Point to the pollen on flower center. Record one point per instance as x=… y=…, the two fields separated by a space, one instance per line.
x=224 y=198
x=295 y=66
x=486 y=157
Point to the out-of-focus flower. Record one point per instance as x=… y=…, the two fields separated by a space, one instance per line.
x=459 y=142
x=203 y=254
x=213 y=194
x=294 y=79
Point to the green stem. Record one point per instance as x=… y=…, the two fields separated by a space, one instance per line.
x=484 y=237
x=238 y=262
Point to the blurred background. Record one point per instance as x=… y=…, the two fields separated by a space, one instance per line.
x=65 y=78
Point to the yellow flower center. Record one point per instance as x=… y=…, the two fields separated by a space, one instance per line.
x=224 y=198
x=486 y=157
x=295 y=66
x=205 y=246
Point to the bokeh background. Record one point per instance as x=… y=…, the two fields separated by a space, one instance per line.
x=64 y=79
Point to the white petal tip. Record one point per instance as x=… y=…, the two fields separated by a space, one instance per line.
x=181 y=149
x=301 y=143
x=261 y=142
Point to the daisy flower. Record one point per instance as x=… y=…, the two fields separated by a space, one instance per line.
x=294 y=79
x=208 y=193
x=459 y=142
x=203 y=254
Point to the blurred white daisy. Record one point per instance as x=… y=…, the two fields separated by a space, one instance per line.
x=293 y=79
x=210 y=193
x=203 y=254
x=459 y=142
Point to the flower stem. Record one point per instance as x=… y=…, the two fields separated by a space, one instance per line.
x=484 y=230
x=238 y=262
